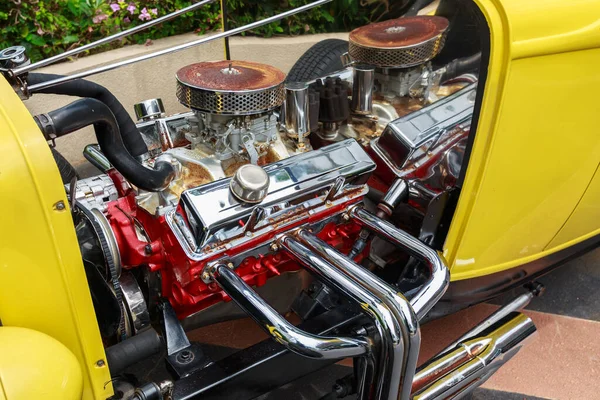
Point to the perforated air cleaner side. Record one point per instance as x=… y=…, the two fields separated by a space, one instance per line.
x=231 y=87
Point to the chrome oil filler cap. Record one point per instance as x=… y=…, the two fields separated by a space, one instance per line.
x=250 y=184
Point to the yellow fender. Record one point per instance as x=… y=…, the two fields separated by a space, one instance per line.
x=34 y=365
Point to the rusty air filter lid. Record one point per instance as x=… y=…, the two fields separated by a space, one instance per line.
x=230 y=87
x=399 y=43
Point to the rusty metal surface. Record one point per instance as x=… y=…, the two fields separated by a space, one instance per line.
x=399 y=43
x=231 y=87
x=399 y=33
x=230 y=76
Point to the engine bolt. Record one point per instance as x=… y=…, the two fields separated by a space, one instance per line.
x=59 y=205
x=185 y=357
x=100 y=363
x=346 y=217
x=148 y=249
x=205 y=276
x=230 y=265
x=274 y=247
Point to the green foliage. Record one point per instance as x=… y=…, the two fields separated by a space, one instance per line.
x=49 y=27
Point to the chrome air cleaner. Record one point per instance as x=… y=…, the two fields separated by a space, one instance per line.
x=399 y=43
x=231 y=87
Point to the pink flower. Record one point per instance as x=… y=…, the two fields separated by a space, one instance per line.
x=154 y=11
x=40 y=31
x=99 y=18
x=126 y=20
x=144 y=16
x=120 y=1
x=115 y=7
x=131 y=8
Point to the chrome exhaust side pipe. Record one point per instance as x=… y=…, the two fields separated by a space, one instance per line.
x=298 y=341
x=516 y=304
x=406 y=321
x=390 y=354
x=435 y=287
x=455 y=373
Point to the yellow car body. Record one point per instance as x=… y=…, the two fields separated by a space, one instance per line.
x=532 y=187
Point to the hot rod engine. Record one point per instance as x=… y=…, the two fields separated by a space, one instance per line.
x=247 y=174
x=324 y=197
x=257 y=158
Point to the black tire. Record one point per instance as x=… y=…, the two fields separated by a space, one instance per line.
x=67 y=172
x=321 y=59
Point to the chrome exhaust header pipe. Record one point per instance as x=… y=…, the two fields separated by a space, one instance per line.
x=390 y=354
x=439 y=278
x=456 y=373
x=406 y=351
x=516 y=304
x=296 y=340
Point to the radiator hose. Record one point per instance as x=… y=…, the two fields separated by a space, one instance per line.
x=82 y=88
x=84 y=112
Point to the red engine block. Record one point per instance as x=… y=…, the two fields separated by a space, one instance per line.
x=180 y=276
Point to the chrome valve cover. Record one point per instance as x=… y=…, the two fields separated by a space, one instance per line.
x=409 y=138
x=210 y=216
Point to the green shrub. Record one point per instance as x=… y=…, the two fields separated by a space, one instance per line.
x=49 y=27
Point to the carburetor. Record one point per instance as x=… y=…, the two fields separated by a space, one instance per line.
x=233 y=104
x=391 y=76
x=399 y=51
x=233 y=120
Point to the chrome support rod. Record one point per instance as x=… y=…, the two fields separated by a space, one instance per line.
x=406 y=320
x=435 y=287
x=391 y=352
x=296 y=340
x=206 y=39
x=454 y=374
x=108 y=39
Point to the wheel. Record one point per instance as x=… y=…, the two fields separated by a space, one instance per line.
x=67 y=172
x=321 y=59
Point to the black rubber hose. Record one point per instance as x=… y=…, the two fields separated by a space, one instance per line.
x=461 y=66
x=82 y=88
x=67 y=172
x=132 y=350
x=84 y=112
